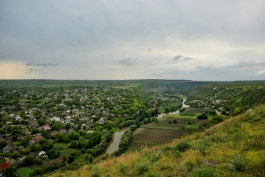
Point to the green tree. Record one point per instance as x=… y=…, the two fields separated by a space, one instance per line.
x=2 y=144
x=29 y=160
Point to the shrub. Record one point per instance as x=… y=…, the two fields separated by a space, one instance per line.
x=182 y=109
x=189 y=165
x=238 y=162
x=183 y=146
x=37 y=171
x=262 y=163
x=123 y=169
x=204 y=172
x=177 y=154
x=141 y=168
x=95 y=171
x=151 y=175
x=256 y=119
x=156 y=156
x=202 y=148
x=202 y=116
x=165 y=149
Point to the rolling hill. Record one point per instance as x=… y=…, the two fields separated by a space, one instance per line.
x=234 y=147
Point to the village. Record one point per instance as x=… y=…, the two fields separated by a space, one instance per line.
x=34 y=119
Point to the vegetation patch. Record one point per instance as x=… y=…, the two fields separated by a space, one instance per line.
x=60 y=145
x=24 y=172
x=67 y=151
x=183 y=146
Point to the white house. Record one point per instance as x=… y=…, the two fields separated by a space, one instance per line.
x=56 y=119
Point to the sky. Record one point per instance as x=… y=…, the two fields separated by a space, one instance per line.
x=132 y=39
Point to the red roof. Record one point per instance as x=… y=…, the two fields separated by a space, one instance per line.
x=46 y=125
x=4 y=165
x=37 y=138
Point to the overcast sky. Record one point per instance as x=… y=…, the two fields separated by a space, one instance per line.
x=132 y=39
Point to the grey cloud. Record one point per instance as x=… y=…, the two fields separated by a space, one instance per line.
x=47 y=64
x=149 y=49
x=29 y=64
x=177 y=57
x=128 y=62
x=42 y=64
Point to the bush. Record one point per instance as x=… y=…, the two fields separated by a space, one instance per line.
x=29 y=160
x=151 y=175
x=155 y=157
x=183 y=146
x=204 y=172
x=38 y=161
x=177 y=154
x=238 y=162
x=262 y=163
x=189 y=165
x=123 y=169
x=257 y=119
x=37 y=172
x=141 y=168
x=202 y=116
x=95 y=171
x=202 y=148
x=182 y=109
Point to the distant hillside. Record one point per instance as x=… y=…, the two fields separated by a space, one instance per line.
x=171 y=86
x=233 y=148
x=236 y=97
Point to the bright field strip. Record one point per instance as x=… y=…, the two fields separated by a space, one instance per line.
x=159 y=127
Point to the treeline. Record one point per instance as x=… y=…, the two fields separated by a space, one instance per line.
x=125 y=140
x=99 y=148
x=89 y=141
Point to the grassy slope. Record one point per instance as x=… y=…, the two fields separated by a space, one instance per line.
x=236 y=147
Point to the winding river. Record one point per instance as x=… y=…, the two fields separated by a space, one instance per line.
x=114 y=143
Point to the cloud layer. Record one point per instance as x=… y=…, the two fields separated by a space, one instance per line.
x=202 y=40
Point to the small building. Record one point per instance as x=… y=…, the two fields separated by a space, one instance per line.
x=7 y=149
x=46 y=127
x=17 y=162
x=56 y=119
x=5 y=165
x=41 y=153
x=101 y=121
x=18 y=118
x=37 y=138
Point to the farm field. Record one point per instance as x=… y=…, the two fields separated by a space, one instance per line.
x=195 y=110
x=183 y=115
x=163 y=131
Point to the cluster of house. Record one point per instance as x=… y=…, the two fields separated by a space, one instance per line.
x=90 y=106
x=208 y=104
